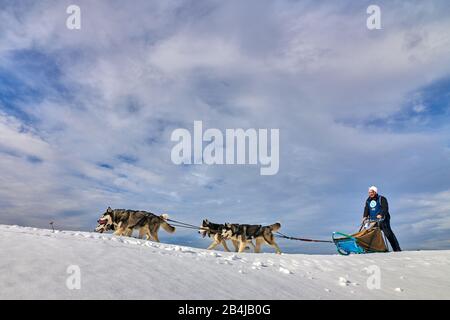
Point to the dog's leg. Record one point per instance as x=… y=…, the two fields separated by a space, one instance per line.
x=277 y=248
x=270 y=240
x=141 y=233
x=236 y=246
x=274 y=244
x=219 y=240
x=213 y=245
x=119 y=230
x=224 y=244
x=144 y=233
x=129 y=232
x=242 y=245
x=259 y=242
x=155 y=236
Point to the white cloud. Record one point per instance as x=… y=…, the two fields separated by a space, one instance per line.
x=19 y=138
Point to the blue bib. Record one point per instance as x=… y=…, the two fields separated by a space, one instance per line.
x=374 y=207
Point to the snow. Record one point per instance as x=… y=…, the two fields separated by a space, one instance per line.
x=37 y=263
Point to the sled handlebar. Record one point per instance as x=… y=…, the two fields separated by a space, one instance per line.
x=368 y=220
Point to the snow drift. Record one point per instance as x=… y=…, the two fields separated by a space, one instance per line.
x=37 y=263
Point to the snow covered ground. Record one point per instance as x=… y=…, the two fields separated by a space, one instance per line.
x=39 y=264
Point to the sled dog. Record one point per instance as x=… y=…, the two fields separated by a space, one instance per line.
x=244 y=233
x=214 y=231
x=123 y=222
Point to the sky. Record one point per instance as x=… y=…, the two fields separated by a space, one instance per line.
x=86 y=115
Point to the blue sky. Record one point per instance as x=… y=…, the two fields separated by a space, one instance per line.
x=86 y=115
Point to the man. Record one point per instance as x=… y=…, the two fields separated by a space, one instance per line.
x=377 y=208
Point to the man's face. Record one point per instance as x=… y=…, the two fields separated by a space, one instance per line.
x=372 y=194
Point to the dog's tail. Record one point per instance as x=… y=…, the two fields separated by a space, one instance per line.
x=167 y=227
x=275 y=226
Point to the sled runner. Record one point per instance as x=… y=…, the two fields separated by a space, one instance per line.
x=368 y=240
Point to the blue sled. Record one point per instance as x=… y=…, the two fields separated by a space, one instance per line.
x=346 y=244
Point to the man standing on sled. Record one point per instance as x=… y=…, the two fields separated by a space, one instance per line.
x=377 y=208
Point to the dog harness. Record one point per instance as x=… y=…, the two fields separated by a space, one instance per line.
x=256 y=234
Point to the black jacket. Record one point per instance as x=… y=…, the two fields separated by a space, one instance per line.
x=384 y=207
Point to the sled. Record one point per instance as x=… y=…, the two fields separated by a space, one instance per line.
x=365 y=241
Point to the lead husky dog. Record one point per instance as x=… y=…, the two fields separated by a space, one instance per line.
x=125 y=221
x=214 y=231
x=244 y=233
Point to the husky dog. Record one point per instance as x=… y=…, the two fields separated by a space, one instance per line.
x=244 y=233
x=123 y=222
x=214 y=230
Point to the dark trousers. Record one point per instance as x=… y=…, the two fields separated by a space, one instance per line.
x=386 y=228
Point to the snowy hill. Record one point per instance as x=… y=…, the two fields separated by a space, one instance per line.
x=36 y=264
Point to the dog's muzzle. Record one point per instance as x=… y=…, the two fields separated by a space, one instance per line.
x=203 y=232
x=102 y=225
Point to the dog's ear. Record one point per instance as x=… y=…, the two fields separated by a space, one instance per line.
x=109 y=209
